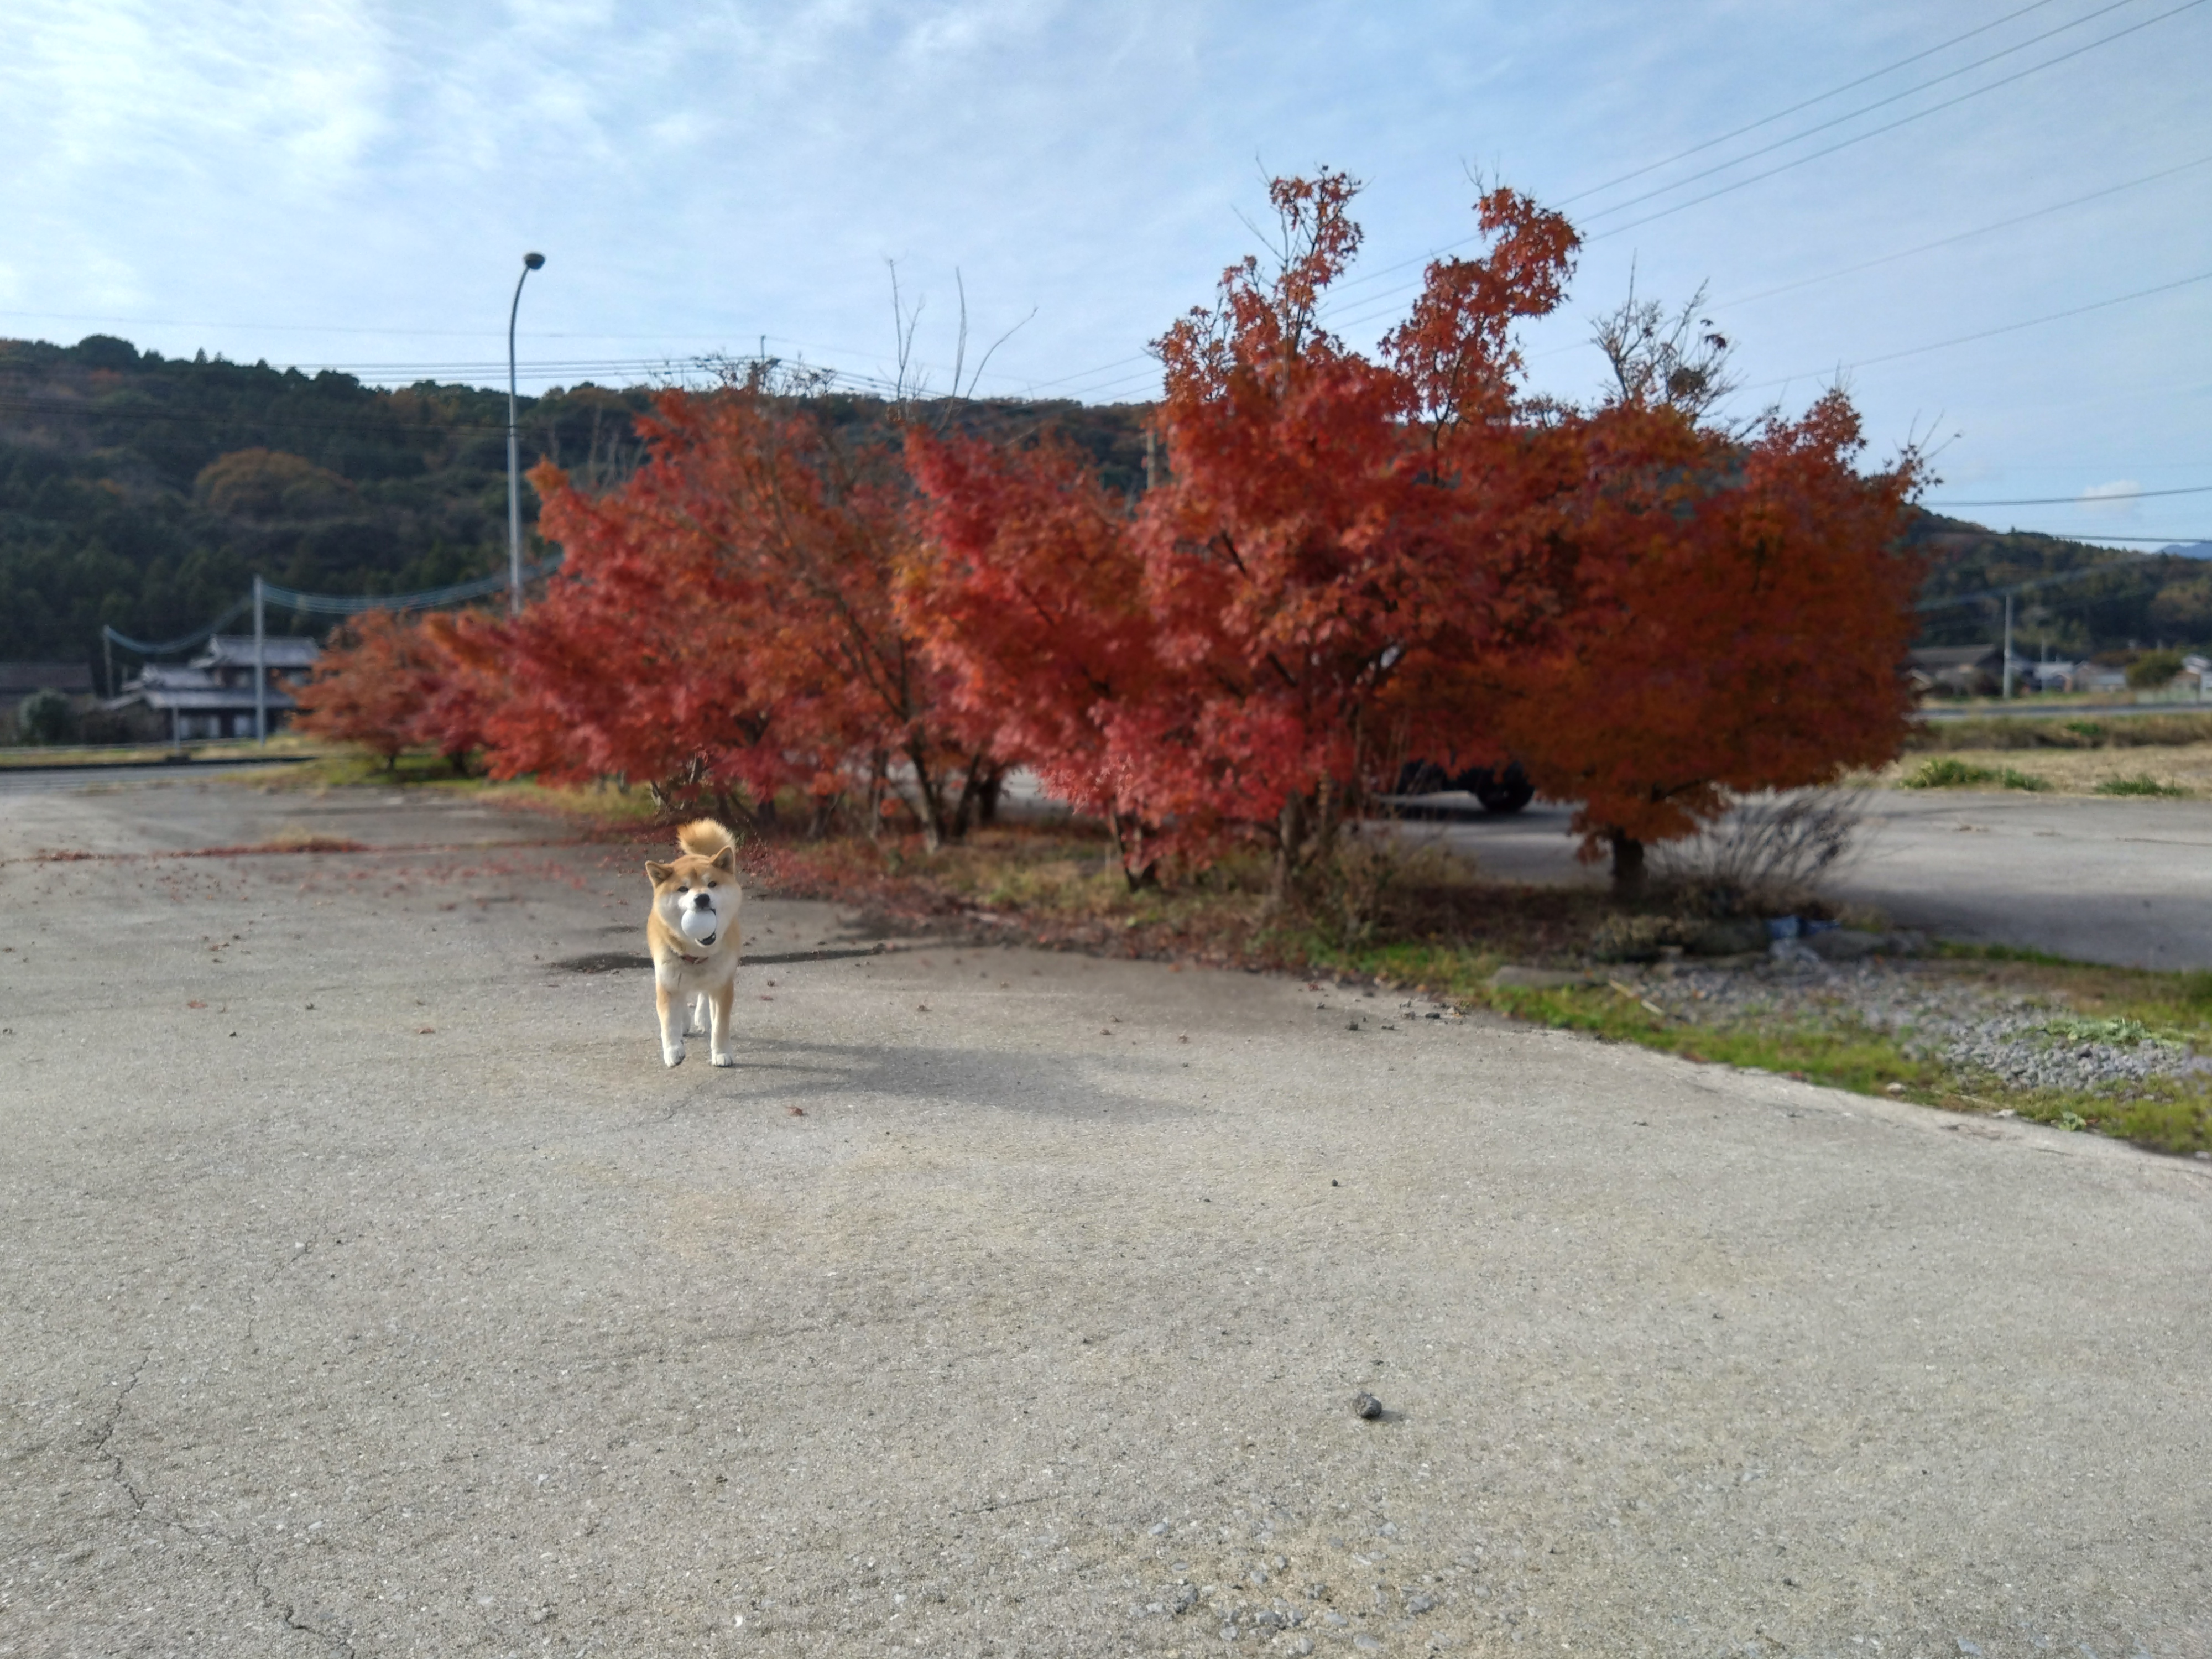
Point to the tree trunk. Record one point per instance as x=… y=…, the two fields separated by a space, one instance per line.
x=1627 y=865
x=880 y=766
x=1290 y=848
x=1138 y=869
x=970 y=808
x=937 y=825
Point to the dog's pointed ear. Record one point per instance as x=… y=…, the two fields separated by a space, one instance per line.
x=656 y=873
x=727 y=860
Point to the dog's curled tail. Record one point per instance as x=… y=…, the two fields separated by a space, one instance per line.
x=703 y=838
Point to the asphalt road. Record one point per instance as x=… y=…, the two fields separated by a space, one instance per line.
x=2122 y=881
x=73 y=774
x=371 y=1289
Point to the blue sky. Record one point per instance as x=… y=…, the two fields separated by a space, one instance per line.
x=324 y=183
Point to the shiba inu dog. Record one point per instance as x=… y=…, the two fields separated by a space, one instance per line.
x=692 y=933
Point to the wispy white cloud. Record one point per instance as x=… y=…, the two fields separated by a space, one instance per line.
x=704 y=174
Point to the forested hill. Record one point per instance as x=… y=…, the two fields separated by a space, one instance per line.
x=2116 y=601
x=146 y=492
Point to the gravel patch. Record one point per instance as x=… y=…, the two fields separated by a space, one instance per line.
x=2024 y=1041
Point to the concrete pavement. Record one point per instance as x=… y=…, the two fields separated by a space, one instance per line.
x=2122 y=881
x=370 y=1288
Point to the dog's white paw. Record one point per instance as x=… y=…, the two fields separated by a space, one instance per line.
x=724 y=1057
x=694 y=1028
x=672 y=1054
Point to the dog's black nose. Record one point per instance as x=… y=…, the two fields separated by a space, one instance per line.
x=701 y=902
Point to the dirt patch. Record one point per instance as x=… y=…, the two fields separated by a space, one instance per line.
x=2079 y=771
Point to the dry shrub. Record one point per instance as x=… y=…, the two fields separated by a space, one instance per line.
x=1767 y=857
x=1362 y=888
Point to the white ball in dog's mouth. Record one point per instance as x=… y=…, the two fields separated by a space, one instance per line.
x=700 y=923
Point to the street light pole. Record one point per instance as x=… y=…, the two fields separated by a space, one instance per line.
x=530 y=261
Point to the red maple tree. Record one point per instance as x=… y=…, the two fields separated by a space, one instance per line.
x=730 y=613
x=1733 y=611
x=1027 y=592
x=369 y=687
x=1335 y=531
x=1351 y=558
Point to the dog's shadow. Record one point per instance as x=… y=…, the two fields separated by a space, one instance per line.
x=617 y=962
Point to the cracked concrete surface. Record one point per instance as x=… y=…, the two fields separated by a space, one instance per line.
x=1002 y=1302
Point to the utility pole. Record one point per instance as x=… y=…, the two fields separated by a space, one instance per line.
x=530 y=261
x=260 y=668
x=2007 y=646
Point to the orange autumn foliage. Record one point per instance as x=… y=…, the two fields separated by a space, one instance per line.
x=730 y=614
x=370 y=687
x=1351 y=558
x=1732 y=621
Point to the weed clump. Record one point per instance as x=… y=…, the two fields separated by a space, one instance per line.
x=1945 y=772
x=2142 y=785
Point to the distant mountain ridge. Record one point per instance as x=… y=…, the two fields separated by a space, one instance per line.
x=145 y=492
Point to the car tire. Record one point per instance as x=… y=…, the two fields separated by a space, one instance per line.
x=1505 y=791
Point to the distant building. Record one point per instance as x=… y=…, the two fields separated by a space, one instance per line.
x=2097 y=676
x=18 y=680
x=1958 y=671
x=212 y=695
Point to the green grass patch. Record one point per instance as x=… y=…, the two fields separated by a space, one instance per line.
x=1843 y=1057
x=2139 y=786
x=2168 y=1116
x=2005 y=953
x=2122 y=1007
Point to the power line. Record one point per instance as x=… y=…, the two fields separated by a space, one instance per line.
x=1882 y=103
x=183 y=642
x=2090 y=537
x=1467 y=241
x=2071 y=500
x=1991 y=333
x=1961 y=236
x=333 y=604
x=355 y=605
x=1616 y=230
x=1818 y=98
x=1890 y=126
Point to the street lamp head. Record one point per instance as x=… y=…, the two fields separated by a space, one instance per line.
x=533 y=261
